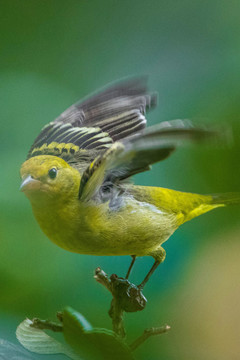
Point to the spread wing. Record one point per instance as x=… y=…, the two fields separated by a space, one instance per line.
x=136 y=154
x=105 y=137
x=91 y=126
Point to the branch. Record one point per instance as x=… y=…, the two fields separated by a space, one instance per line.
x=101 y=277
x=147 y=333
x=115 y=311
x=46 y=325
x=126 y=297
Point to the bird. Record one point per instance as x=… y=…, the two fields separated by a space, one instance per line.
x=78 y=172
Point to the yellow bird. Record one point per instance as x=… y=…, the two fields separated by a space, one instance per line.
x=77 y=172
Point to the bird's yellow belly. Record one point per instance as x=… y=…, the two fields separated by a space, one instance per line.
x=135 y=229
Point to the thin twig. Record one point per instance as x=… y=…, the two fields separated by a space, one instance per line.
x=46 y=325
x=101 y=277
x=147 y=333
x=115 y=312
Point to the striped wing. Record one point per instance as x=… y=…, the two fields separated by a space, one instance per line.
x=91 y=126
x=74 y=145
x=136 y=154
x=118 y=110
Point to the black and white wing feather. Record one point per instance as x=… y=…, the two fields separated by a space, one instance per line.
x=91 y=126
x=135 y=154
x=118 y=110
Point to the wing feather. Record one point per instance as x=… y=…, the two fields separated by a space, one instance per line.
x=136 y=154
x=95 y=123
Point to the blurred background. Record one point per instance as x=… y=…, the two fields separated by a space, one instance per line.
x=55 y=52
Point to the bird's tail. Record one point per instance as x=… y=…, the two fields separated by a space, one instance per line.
x=226 y=199
x=205 y=203
x=185 y=206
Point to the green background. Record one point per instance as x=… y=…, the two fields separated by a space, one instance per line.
x=55 y=52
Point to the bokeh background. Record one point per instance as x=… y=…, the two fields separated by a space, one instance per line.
x=55 y=52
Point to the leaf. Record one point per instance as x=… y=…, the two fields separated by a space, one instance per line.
x=37 y=341
x=93 y=343
x=76 y=319
x=12 y=351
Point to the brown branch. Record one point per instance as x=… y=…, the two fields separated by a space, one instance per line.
x=46 y=325
x=101 y=277
x=126 y=297
x=115 y=312
x=147 y=333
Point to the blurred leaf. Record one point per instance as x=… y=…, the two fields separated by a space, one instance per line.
x=75 y=320
x=93 y=343
x=13 y=352
x=37 y=341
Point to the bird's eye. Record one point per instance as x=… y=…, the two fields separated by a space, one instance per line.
x=52 y=173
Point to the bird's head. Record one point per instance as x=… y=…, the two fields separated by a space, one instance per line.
x=48 y=177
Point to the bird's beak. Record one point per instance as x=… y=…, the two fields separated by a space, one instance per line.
x=29 y=183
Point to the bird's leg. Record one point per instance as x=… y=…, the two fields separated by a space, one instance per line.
x=159 y=257
x=130 y=267
x=153 y=268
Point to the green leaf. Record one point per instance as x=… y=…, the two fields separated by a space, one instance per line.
x=76 y=319
x=93 y=343
x=37 y=341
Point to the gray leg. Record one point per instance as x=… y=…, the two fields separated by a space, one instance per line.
x=131 y=265
x=159 y=257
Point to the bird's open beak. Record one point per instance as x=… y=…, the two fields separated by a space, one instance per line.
x=29 y=183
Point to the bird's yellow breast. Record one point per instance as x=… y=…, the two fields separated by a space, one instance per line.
x=135 y=228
